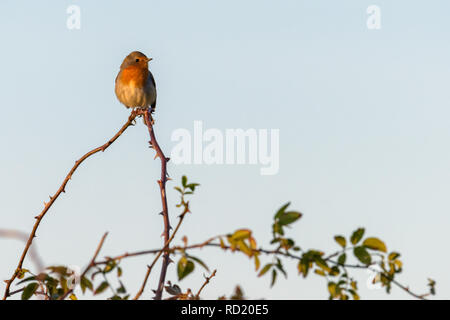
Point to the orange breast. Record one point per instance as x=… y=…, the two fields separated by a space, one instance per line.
x=134 y=76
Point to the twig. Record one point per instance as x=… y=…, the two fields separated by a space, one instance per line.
x=56 y=195
x=208 y=243
x=90 y=265
x=207 y=279
x=160 y=252
x=162 y=186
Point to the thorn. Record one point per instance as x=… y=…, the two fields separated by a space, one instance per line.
x=167 y=159
x=37 y=217
x=170 y=261
x=154 y=291
x=168 y=179
x=45 y=204
x=161 y=213
x=156 y=156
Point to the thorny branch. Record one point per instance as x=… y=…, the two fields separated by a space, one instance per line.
x=61 y=189
x=208 y=243
x=207 y=279
x=160 y=252
x=162 y=186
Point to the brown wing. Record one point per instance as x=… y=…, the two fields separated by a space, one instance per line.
x=150 y=77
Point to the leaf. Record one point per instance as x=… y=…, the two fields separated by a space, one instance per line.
x=86 y=283
x=332 y=289
x=200 y=262
x=192 y=186
x=341 y=241
x=289 y=217
x=222 y=244
x=27 y=279
x=342 y=258
x=354 y=294
x=357 y=235
x=241 y=234
x=321 y=263
x=334 y=271
x=21 y=273
x=178 y=189
x=281 y=210
x=274 y=277
x=393 y=255
x=375 y=244
x=184 y=268
x=257 y=262
x=320 y=272
x=102 y=287
x=29 y=290
x=362 y=255
x=265 y=269
x=184 y=181
x=73 y=297
x=244 y=248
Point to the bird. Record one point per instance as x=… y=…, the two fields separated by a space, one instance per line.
x=135 y=86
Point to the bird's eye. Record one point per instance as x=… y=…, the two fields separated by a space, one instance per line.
x=137 y=60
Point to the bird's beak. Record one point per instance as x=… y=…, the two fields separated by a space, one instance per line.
x=149 y=59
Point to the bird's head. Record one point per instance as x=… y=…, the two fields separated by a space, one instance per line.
x=135 y=58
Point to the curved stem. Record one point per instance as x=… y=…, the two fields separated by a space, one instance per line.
x=57 y=194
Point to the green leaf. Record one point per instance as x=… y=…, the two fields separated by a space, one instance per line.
x=86 y=283
x=342 y=258
x=184 y=267
x=341 y=240
x=375 y=244
x=200 y=262
x=27 y=279
x=362 y=255
x=192 y=186
x=289 y=217
x=265 y=269
x=184 y=181
x=281 y=210
x=321 y=263
x=102 y=287
x=274 y=277
x=357 y=236
x=29 y=290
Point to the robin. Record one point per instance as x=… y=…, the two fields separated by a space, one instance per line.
x=135 y=85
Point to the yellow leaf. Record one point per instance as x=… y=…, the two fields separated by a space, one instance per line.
x=73 y=297
x=375 y=244
x=257 y=262
x=241 y=234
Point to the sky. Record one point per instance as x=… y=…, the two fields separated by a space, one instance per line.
x=363 y=120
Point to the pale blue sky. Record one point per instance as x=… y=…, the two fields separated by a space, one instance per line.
x=363 y=118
